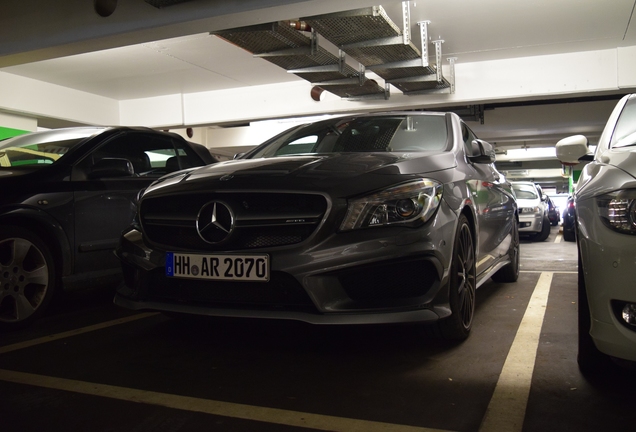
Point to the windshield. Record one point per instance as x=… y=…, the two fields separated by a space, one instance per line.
x=41 y=148
x=525 y=191
x=625 y=132
x=395 y=133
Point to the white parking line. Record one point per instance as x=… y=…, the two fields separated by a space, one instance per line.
x=226 y=409
x=507 y=408
x=558 y=238
x=506 y=411
x=70 y=333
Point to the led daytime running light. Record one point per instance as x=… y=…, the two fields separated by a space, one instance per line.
x=410 y=202
x=618 y=211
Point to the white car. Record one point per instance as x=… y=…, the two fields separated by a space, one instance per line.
x=533 y=211
x=605 y=202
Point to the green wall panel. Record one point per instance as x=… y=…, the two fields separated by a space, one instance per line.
x=9 y=132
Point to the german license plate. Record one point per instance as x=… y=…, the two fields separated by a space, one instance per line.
x=218 y=267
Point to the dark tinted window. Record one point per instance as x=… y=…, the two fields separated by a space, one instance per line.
x=150 y=155
x=401 y=133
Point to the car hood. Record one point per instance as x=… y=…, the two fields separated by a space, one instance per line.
x=528 y=202
x=623 y=158
x=613 y=170
x=348 y=173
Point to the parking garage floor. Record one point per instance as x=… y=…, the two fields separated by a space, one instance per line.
x=91 y=366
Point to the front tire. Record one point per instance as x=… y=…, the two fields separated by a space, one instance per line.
x=462 y=285
x=27 y=277
x=569 y=236
x=545 y=230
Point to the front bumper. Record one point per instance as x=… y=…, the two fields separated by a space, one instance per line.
x=531 y=223
x=609 y=265
x=376 y=275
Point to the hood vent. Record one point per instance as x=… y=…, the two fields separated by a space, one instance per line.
x=367 y=35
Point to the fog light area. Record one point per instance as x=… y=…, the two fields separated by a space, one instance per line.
x=629 y=314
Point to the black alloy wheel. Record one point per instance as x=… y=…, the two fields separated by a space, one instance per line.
x=27 y=275
x=463 y=284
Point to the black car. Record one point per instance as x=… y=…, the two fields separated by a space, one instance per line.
x=377 y=218
x=569 y=221
x=67 y=194
x=553 y=211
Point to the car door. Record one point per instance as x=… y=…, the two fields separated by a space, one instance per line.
x=105 y=200
x=494 y=205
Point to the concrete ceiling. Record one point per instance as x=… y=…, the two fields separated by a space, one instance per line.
x=142 y=51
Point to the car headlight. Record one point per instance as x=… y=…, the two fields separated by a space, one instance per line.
x=618 y=211
x=410 y=202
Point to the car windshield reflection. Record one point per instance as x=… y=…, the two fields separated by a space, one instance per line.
x=51 y=146
x=395 y=133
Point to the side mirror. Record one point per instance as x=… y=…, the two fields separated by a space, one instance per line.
x=569 y=150
x=110 y=168
x=483 y=152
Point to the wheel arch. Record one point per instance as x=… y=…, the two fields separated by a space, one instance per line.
x=49 y=230
x=469 y=212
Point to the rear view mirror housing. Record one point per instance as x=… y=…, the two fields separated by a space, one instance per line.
x=111 y=168
x=483 y=152
x=571 y=149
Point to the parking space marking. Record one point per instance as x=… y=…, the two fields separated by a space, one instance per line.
x=558 y=238
x=506 y=410
x=226 y=409
x=70 y=333
x=507 y=407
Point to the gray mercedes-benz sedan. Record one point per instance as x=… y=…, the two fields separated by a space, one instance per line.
x=375 y=218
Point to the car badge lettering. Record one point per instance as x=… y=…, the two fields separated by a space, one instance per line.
x=215 y=222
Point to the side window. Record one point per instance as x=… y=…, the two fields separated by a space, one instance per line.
x=150 y=156
x=468 y=136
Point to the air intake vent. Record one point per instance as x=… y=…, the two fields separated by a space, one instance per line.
x=163 y=3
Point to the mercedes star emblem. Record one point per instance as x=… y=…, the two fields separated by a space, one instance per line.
x=215 y=222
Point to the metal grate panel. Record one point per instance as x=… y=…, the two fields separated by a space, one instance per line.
x=292 y=50
x=369 y=36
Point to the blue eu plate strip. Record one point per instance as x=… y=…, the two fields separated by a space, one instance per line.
x=169 y=264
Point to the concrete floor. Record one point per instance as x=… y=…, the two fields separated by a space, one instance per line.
x=91 y=366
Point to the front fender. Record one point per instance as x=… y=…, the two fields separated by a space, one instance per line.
x=45 y=226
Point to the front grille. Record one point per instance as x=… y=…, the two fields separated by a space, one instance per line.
x=261 y=220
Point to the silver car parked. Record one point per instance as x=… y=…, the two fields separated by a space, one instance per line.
x=605 y=205
x=379 y=218
x=533 y=211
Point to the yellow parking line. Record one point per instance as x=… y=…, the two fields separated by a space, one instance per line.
x=226 y=409
x=507 y=408
x=70 y=333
